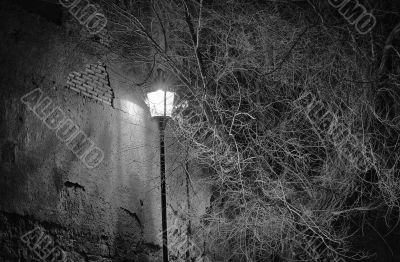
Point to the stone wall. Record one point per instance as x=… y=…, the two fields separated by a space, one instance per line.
x=110 y=212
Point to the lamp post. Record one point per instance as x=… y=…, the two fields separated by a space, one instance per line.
x=161 y=103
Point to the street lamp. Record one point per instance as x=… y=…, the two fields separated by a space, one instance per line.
x=161 y=103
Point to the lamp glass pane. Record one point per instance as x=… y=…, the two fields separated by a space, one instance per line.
x=155 y=101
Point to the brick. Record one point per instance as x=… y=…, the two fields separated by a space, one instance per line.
x=103 y=81
x=109 y=95
x=87 y=86
x=77 y=73
x=109 y=91
x=70 y=83
x=108 y=103
x=105 y=98
x=75 y=89
x=89 y=79
x=76 y=81
x=92 y=92
x=97 y=82
x=81 y=87
x=102 y=88
x=94 y=84
x=99 y=89
x=101 y=100
x=88 y=94
x=102 y=76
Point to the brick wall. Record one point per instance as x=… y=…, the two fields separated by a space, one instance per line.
x=93 y=83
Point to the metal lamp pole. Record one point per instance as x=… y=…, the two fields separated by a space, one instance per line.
x=155 y=100
x=162 y=122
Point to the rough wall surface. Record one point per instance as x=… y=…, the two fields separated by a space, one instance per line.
x=109 y=212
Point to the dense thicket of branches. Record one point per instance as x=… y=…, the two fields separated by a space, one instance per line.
x=279 y=182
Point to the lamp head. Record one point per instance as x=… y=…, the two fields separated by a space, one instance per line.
x=161 y=103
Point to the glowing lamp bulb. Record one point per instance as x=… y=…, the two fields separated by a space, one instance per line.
x=158 y=101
